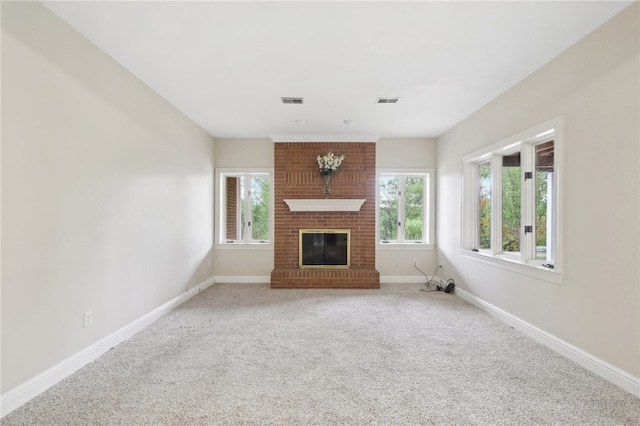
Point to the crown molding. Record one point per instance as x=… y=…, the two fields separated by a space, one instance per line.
x=324 y=138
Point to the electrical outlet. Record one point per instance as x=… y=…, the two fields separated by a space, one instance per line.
x=88 y=318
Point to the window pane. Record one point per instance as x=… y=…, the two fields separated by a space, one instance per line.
x=260 y=208
x=413 y=208
x=243 y=212
x=511 y=203
x=388 y=208
x=544 y=200
x=484 y=206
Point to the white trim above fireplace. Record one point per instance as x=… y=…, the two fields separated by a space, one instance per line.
x=325 y=205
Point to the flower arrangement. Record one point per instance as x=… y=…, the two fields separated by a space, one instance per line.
x=329 y=163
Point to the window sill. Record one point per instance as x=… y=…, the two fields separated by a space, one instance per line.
x=404 y=246
x=244 y=246
x=533 y=271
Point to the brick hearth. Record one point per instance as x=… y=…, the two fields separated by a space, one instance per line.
x=296 y=176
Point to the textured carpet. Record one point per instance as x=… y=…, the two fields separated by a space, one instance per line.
x=246 y=354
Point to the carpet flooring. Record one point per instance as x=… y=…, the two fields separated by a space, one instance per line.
x=250 y=355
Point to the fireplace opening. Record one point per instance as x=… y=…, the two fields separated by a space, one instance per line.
x=321 y=248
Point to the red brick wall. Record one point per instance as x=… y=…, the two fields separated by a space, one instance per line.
x=296 y=176
x=232 y=208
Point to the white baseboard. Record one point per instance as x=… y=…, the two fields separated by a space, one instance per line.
x=237 y=279
x=43 y=381
x=402 y=279
x=592 y=363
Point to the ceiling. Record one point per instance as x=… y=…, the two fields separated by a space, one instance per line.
x=226 y=65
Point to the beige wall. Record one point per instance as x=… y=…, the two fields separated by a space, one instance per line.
x=106 y=195
x=594 y=87
x=407 y=153
x=242 y=153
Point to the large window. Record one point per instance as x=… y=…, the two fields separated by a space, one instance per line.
x=405 y=207
x=511 y=199
x=245 y=207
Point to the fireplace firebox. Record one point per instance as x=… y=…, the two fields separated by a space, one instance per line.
x=324 y=248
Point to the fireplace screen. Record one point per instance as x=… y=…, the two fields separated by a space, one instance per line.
x=324 y=248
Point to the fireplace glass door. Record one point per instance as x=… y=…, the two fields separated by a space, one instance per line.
x=324 y=248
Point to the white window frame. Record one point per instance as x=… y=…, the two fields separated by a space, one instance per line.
x=221 y=240
x=524 y=262
x=428 y=212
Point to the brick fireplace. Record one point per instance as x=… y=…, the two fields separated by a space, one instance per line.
x=296 y=177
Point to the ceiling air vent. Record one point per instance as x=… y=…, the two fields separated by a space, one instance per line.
x=292 y=100
x=387 y=100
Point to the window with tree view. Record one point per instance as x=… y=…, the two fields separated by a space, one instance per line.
x=403 y=207
x=511 y=207
x=247 y=212
x=484 y=207
x=512 y=200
